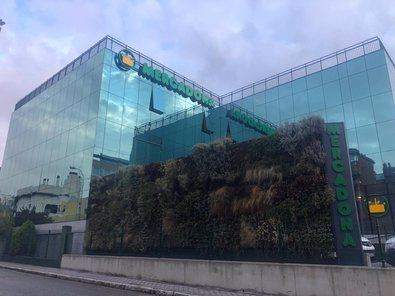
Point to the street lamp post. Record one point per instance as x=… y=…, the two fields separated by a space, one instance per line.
x=81 y=189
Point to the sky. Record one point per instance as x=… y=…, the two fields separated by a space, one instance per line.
x=222 y=44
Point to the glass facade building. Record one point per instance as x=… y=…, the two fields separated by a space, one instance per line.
x=93 y=117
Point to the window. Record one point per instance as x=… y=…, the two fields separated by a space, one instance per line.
x=379 y=80
x=359 y=85
x=363 y=112
x=332 y=94
x=316 y=99
x=367 y=139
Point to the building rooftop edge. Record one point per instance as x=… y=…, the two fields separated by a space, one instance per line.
x=340 y=56
x=319 y=64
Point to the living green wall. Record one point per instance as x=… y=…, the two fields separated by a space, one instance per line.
x=268 y=197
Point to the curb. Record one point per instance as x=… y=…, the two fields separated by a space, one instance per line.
x=121 y=286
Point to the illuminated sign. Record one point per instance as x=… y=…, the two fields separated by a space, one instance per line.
x=171 y=83
x=124 y=60
x=251 y=122
x=377 y=205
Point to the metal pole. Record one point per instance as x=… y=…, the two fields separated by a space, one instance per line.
x=360 y=219
x=379 y=237
x=120 y=251
x=370 y=217
x=82 y=189
x=46 y=249
x=390 y=206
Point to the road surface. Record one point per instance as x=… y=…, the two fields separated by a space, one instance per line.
x=14 y=283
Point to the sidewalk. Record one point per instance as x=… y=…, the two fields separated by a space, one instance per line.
x=150 y=287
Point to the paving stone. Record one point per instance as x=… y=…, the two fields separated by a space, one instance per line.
x=153 y=287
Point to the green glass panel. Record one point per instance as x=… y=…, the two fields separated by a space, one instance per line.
x=367 y=139
x=273 y=112
x=330 y=74
x=332 y=93
x=375 y=59
x=301 y=103
x=285 y=89
x=349 y=115
x=132 y=87
x=359 y=86
x=286 y=108
x=345 y=90
x=299 y=85
x=379 y=80
x=272 y=94
x=356 y=65
x=335 y=114
x=260 y=110
x=117 y=82
x=316 y=99
x=383 y=106
x=314 y=80
x=386 y=132
x=342 y=70
x=114 y=108
x=352 y=141
x=363 y=112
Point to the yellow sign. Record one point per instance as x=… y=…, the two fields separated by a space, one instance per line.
x=126 y=59
x=376 y=207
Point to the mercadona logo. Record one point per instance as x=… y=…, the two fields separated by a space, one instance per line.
x=124 y=60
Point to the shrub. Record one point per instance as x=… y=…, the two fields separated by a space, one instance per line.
x=23 y=240
x=5 y=222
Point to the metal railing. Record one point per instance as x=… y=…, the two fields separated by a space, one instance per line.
x=169 y=119
x=194 y=110
x=114 y=45
x=91 y=52
x=330 y=60
x=316 y=65
x=250 y=114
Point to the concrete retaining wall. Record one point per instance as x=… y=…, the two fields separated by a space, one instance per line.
x=271 y=278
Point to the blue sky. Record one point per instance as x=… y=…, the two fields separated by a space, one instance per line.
x=220 y=44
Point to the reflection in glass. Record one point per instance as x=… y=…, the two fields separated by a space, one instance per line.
x=367 y=139
x=316 y=99
x=386 y=131
x=363 y=112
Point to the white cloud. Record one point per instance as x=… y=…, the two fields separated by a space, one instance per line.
x=222 y=45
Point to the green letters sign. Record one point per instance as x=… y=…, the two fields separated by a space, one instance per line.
x=344 y=217
x=125 y=61
x=171 y=83
x=251 y=122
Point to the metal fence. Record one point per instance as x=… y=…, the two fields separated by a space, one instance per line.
x=49 y=248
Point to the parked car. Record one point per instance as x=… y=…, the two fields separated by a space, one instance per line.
x=367 y=246
x=390 y=251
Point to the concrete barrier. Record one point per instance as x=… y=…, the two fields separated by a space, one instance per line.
x=270 y=278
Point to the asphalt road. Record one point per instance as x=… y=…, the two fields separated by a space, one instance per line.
x=14 y=283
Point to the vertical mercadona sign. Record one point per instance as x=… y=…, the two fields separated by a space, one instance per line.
x=344 y=211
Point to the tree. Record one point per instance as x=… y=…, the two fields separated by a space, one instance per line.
x=23 y=240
